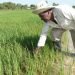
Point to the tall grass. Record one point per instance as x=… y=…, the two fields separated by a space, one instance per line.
x=19 y=34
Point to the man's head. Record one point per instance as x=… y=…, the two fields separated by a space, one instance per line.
x=46 y=15
x=44 y=10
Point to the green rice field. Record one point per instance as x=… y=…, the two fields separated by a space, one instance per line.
x=19 y=34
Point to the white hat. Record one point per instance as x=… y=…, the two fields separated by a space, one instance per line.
x=41 y=7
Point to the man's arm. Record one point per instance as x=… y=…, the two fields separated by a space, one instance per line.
x=43 y=36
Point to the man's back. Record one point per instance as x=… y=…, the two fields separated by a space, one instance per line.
x=65 y=16
x=68 y=11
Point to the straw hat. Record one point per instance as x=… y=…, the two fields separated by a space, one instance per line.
x=42 y=6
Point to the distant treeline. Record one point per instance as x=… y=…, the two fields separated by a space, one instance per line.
x=10 y=5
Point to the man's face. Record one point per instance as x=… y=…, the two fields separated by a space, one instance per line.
x=46 y=16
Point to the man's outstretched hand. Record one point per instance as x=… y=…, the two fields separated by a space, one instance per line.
x=37 y=50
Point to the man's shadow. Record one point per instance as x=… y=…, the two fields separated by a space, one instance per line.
x=30 y=42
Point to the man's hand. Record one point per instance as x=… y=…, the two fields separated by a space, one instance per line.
x=36 y=51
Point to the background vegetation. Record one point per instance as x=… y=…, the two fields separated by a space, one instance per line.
x=13 y=6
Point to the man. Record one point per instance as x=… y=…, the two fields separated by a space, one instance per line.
x=59 y=18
